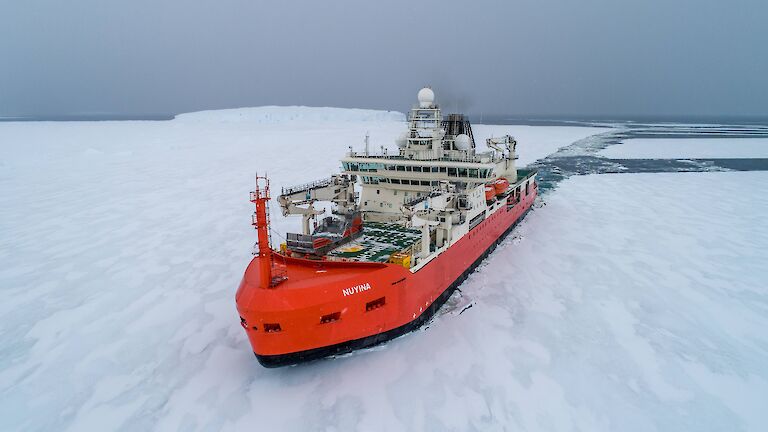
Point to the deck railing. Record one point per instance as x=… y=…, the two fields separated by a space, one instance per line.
x=435 y=157
x=307 y=186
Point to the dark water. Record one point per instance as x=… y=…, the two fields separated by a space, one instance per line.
x=627 y=121
x=581 y=157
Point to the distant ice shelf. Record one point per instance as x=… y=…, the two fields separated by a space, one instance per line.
x=283 y=114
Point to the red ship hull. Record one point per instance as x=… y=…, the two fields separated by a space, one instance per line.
x=329 y=307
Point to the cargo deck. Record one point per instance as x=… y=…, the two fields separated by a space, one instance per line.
x=377 y=242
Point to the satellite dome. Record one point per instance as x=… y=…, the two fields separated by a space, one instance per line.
x=461 y=141
x=426 y=97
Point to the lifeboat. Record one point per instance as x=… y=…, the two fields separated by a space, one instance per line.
x=490 y=193
x=500 y=185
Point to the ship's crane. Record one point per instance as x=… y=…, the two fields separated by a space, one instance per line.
x=437 y=213
x=505 y=145
x=337 y=189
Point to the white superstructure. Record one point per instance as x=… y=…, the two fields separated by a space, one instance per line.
x=428 y=154
x=436 y=181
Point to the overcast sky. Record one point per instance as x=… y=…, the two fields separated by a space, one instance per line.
x=518 y=57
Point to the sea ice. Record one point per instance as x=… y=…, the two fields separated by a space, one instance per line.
x=623 y=302
x=688 y=148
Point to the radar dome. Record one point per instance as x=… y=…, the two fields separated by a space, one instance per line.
x=461 y=141
x=402 y=140
x=426 y=97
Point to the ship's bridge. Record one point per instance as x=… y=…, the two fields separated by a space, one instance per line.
x=432 y=150
x=405 y=171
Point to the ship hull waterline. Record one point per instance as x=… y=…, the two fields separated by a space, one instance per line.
x=279 y=360
x=410 y=311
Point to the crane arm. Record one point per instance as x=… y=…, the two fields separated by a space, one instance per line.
x=338 y=189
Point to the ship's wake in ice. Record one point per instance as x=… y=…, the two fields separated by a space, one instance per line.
x=709 y=148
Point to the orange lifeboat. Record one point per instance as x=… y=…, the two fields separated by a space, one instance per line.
x=490 y=193
x=500 y=185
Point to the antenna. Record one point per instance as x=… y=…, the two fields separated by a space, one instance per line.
x=367 y=137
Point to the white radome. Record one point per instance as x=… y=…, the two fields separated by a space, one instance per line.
x=426 y=97
x=461 y=141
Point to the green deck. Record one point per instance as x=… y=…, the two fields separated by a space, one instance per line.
x=377 y=242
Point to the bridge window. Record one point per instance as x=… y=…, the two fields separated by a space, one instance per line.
x=452 y=172
x=368 y=166
x=400 y=168
x=462 y=172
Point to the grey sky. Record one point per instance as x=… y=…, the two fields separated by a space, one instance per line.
x=536 y=57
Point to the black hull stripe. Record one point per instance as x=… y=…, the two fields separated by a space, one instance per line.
x=273 y=361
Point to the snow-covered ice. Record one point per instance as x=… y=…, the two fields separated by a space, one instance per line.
x=693 y=148
x=626 y=302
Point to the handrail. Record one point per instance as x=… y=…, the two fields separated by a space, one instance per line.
x=413 y=201
x=306 y=186
x=471 y=159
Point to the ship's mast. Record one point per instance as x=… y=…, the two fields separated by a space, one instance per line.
x=260 y=197
x=425 y=132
